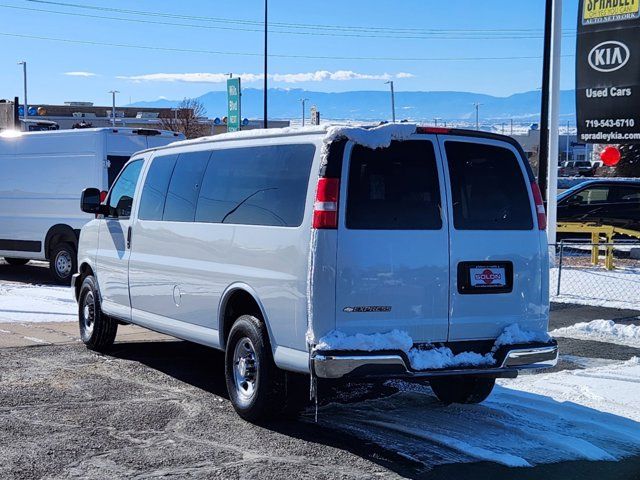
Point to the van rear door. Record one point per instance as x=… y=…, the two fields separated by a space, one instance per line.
x=393 y=243
x=497 y=253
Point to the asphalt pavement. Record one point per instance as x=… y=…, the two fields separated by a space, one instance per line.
x=157 y=407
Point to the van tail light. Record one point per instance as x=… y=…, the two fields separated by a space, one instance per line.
x=537 y=197
x=433 y=130
x=325 y=209
x=103 y=196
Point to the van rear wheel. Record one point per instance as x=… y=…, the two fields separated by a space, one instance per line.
x=16 y=262
x=462 y=389
x=254 y=383
x=97 y=330
x=63 y=263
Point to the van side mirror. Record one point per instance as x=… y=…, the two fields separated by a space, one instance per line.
x=90 y=202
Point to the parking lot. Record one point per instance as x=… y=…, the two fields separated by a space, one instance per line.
x=157 y=407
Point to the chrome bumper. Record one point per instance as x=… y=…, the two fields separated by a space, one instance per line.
x=334 y=365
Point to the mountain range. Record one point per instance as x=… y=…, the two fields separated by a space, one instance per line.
x=376 y=105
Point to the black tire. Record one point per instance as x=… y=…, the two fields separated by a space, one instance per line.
x=462 y=389
x=16 y=262
x=255 y=384
x=97 y=330
x=63 y=263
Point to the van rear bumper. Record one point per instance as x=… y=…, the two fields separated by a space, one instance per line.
x=509 y=360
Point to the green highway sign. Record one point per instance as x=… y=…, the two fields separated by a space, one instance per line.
x=233 y=104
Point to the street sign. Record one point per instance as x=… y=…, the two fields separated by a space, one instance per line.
x=233 y=104
x=608 y=71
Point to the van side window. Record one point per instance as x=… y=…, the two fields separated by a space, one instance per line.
x=256 y=185
x=394 y=188
x=121 y=197
x=488 y=189
x=184 y=186
x=155 y=187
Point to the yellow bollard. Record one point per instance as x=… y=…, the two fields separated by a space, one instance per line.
x=595 y=249
x=608 y=262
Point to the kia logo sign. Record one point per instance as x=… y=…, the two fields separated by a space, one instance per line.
x=609 y=56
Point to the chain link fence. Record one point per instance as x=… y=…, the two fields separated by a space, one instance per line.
x=579 y=274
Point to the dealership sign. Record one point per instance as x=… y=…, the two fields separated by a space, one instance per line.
x=608 y=71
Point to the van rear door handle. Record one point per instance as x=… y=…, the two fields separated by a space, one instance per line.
x=129 y=237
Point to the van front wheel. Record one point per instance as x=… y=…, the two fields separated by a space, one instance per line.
x=97 y=330
x=462 y=389
x=254 y=383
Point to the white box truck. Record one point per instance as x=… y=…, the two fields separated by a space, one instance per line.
x=42 y=175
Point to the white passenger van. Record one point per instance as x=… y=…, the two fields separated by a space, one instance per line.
x=41 y=177
x=339 y=253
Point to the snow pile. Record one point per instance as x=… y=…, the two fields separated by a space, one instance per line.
x=443 y=357
x=37 y=304
x=513 y=335
x=377 y=137
x=603 y=331
x=425 y=358
x=393 y=340
x=590 y=414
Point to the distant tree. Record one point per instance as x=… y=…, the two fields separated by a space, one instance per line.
x=628 y=166
x=187 y=119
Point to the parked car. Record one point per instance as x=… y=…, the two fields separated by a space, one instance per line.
x=272 y=244
x=42 y=176
x=604 y=202
x=576 y=168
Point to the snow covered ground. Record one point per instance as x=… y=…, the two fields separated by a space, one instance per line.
x=36 y=303
x=602 y=331
x=619 y=288
x=590 y=414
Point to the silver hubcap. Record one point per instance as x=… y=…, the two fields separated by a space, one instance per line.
x=245 y=370
x=88 y=313
x=63 y=264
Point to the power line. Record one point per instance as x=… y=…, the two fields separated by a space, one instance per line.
x=256 y=54
x=364 y=32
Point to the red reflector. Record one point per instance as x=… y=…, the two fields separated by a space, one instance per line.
x=103 y=196
x=433 y=130
x=537 y=197
x=325 y=209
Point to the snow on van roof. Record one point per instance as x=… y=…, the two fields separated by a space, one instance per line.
x=372 y=137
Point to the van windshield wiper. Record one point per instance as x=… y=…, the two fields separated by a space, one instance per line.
x=230 y=212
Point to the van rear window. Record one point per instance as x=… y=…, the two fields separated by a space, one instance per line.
x=394 y=188
x=488 y=189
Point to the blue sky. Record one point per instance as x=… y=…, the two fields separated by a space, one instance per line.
x=380 y=39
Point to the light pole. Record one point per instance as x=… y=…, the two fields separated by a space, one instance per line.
x=24 y=77
x=393 y=101
x=266 y=17
x=113 y=106
x=303 y=101
x=477 y=105
x=435 y=121
x=567 y=148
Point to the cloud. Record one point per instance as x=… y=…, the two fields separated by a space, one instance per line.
x=317 y=76
x=81 y=74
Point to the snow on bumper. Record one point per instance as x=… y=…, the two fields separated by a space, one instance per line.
x=508 y=360
x=394 y=354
